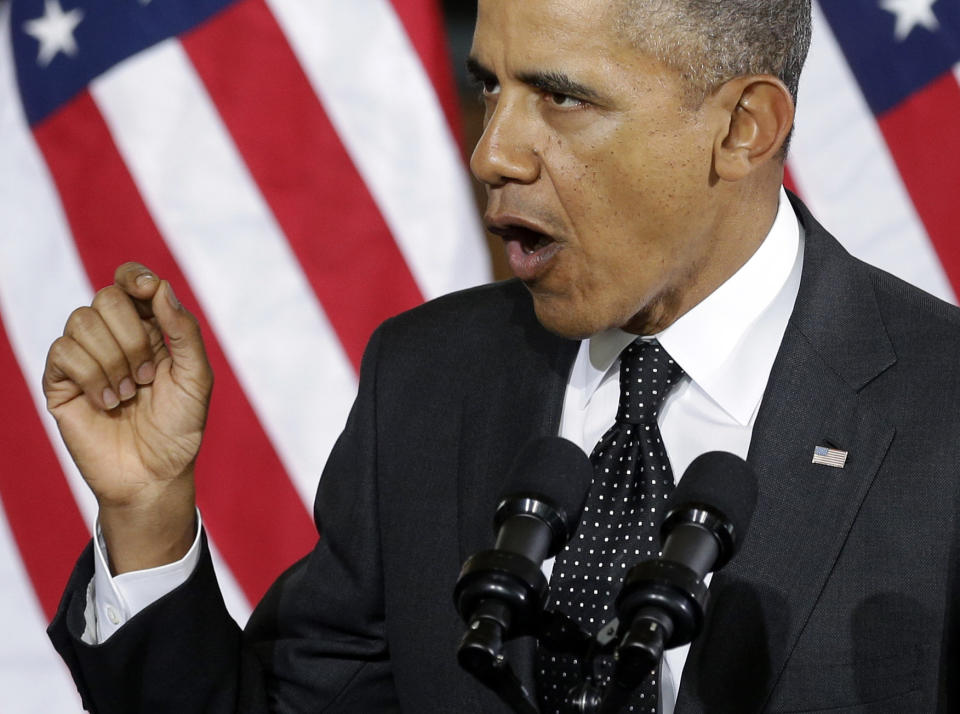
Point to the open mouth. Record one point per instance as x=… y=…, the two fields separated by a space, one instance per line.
x=530 y=240
x=529 y=251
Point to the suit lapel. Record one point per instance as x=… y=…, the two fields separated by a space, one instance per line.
x=528 y=371
x=834 y=345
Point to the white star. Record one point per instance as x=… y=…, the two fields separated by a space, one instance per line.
x=911 y=13
x=54 y=31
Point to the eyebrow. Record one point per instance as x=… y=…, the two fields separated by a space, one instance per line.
x=478 y=73
x=551 y=82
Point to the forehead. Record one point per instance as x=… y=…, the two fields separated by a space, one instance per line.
x=547 y=30
x=577 y=39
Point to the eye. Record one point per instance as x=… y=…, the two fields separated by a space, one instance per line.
x=564 y=101
x=489 y=87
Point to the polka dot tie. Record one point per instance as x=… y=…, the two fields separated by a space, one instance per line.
x=619 y=528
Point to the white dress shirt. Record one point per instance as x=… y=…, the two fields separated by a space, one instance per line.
x=726 y=346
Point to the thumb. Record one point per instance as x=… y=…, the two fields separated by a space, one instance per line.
x=183 y=336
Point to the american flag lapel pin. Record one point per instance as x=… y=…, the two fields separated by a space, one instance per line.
x=829 y=457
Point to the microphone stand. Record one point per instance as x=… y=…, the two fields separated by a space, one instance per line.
x=502 y=595
x=661 y=606
x=639 y=653
x=481 y=653
x=481 y=649
x=636 y=656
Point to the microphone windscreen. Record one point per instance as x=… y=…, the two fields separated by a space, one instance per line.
x=723 y=482
x=557 y=470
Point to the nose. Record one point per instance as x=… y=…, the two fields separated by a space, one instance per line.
x=506 y=152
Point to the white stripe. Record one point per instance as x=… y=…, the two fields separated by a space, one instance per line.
x=845 y=172
x=33 y=680
x=956 y=71
x=231 y=250
x=373 y=86
x=41 y=278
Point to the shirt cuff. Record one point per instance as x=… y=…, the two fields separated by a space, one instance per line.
x=114 y=600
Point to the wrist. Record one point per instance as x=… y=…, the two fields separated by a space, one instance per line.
x=150 y=532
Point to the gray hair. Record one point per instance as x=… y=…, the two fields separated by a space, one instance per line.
x=712 y=41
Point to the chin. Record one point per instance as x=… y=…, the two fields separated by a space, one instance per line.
x=577 y=320
x=566 y=320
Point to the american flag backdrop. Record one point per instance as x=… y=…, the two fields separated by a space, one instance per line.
x=877 y=147
x=290 y=166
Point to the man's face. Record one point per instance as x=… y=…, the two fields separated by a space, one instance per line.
x=597 y=169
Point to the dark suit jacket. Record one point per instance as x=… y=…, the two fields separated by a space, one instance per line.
x=843 y=598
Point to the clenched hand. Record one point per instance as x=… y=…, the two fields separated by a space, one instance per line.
x=131 y=409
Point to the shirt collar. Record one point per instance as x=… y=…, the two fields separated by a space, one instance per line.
x=727 y=343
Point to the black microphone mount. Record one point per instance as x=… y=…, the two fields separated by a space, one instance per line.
x=501 y=593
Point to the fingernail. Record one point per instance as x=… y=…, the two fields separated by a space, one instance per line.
x=110 y=398
x=145 y=280
x=174 y=303
x=145 y=373
x=127 y=389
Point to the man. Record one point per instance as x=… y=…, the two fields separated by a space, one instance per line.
x=633 y=158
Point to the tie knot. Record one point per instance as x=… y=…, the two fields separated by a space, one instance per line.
x=647 y=373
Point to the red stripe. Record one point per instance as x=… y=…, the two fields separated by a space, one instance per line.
x=423 y=22
x=249 y=504
x=34 y=492
x=303 y=171
x=923 y=138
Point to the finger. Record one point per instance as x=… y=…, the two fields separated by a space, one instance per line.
x=87 y=328
x=70 y=371
x=121 y=318
x=58 y=388
x=140 y=283
x=184 y=339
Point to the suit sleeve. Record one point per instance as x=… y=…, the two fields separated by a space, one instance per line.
x=315 y=642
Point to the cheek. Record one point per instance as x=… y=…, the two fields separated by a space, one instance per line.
x=592 y=185
x=628 y=222
x=609 y=202
x=658 y=184
x=624 y=194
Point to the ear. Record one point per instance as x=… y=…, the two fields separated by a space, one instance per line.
x=755 y=115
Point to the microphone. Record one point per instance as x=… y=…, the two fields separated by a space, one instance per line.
x=501 y=593
x=709 y=512
x=662 y=603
